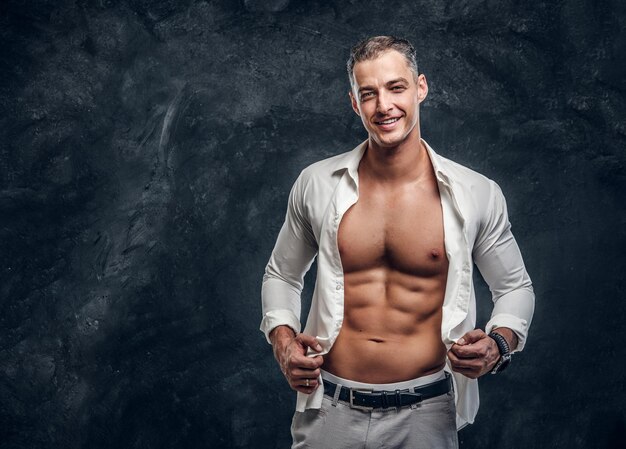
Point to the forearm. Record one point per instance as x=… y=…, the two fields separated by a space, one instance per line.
x=280 y=334
x=280 y=337
x=281 y=305
x=513 y=311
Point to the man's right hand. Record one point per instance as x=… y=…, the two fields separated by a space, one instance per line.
x=290 y=351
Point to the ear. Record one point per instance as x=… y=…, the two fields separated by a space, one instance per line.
x=355 y=105
x=422 y=88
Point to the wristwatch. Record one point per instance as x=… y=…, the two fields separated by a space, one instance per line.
x=505 y=353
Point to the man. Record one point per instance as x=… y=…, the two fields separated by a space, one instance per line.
x=396 y=229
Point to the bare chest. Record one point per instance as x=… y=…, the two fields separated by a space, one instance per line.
x=401 y=230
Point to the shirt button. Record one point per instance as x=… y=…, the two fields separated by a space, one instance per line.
x=338 y=286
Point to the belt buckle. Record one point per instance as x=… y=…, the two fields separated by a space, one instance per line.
x=360 y=407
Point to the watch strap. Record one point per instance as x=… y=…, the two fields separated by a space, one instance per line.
x=503 y=346
x=505 y=353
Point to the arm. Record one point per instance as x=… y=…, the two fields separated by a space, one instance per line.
x=291 y=258
x=499 y=260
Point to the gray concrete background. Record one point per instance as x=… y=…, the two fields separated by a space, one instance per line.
x=146 y=153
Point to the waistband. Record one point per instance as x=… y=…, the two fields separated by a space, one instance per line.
x=367 y=399
x=403 y=385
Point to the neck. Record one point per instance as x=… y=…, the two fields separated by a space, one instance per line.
x=406 y=162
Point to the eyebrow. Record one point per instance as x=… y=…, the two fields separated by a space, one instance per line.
x=387 y=84
x=397 y=80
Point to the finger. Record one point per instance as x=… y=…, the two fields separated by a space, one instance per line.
x=303 y=382
x=452 y=356
x=471 y=365
x=467 y=351
x=471 y=337
x=456 y=350
x=458 y=363
x=308 y=383
x=309 y=341
x=455 y=361
x=305 y=373
x=485 y=349
x=305 y=385
x=305 y=390
x=475 y=350
x=304 y=362
x=464 y=369
x=467 y=371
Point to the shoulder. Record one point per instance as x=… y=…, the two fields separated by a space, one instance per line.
x=479 y=199
x=327 y=172
x=467 y=181
x=316 y=184
x=326 y=167
x=461 y=174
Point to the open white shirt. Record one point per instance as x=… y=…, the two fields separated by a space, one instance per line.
x=476 y=229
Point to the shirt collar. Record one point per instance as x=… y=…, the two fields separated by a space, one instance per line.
x=353 y=158
x=436 y=160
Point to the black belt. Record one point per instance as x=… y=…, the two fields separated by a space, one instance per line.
x=366 y=399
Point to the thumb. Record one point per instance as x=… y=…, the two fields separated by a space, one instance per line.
x=309 y=341
x=471 y=337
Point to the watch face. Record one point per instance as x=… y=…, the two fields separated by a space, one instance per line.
x=506 y=359
x=502 y=363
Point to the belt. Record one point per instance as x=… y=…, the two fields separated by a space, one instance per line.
x=366 y=399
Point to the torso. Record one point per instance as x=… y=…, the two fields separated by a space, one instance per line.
x=391 y=243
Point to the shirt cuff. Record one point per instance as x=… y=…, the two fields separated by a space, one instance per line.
x=279 y=317
x=516 y=324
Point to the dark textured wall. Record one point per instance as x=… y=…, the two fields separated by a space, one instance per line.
x=146 y=153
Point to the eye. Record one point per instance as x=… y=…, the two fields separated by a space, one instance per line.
x=365 y=95
x=398 y=88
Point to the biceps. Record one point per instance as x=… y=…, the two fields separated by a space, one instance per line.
x=292 y=256
x=502 y=266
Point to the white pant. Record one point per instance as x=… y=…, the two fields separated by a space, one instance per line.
x=427 y=425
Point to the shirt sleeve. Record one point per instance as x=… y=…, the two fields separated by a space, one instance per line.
x=291 y=258
x=499 y=260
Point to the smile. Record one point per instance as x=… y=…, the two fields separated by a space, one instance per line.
x=388 y=121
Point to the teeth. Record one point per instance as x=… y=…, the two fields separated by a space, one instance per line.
x=391 y=120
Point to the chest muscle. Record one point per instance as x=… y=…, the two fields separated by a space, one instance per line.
x=401 y=230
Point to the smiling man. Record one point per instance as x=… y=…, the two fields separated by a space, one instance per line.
x=390 y=354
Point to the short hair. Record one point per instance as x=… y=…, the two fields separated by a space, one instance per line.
x=373 y=47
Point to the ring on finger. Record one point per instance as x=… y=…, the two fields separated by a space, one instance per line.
x=308 y=384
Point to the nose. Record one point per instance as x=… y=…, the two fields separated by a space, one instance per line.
x=383 y=104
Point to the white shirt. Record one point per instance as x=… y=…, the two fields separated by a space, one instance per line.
x=476 y=229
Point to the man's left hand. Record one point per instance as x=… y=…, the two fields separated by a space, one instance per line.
x=474 y=354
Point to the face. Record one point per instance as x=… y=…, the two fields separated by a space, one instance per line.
x=386 y=96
